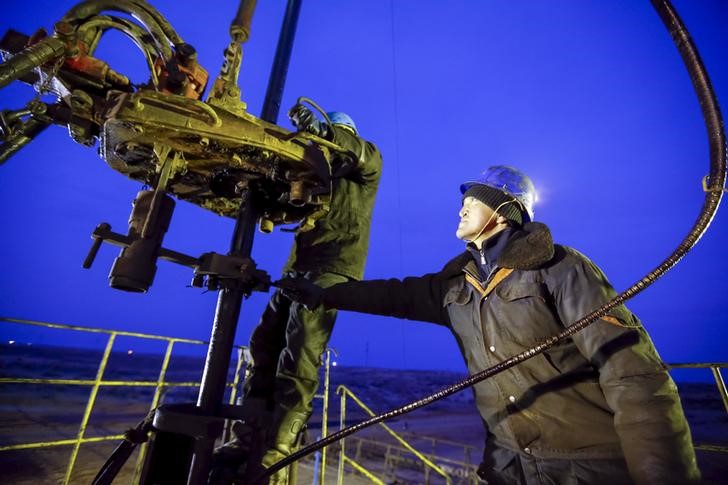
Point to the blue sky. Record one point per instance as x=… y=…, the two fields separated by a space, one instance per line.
x=589 y=98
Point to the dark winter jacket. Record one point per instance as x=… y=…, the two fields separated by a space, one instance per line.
x=602 y=394
x=339 y=241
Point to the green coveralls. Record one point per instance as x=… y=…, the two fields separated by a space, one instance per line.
x=289 y=341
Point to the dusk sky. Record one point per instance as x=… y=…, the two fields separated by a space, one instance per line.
x=590 y=98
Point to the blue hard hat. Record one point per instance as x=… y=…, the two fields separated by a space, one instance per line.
x=340 y=118
x=511 y=182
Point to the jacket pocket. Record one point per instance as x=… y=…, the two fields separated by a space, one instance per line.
x=517 y=291
x=524 y=311
x=459 y=294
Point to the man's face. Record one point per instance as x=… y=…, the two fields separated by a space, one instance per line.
x=473 y=216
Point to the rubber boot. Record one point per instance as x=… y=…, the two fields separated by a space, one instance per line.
x=282 y=443
x=250 y=434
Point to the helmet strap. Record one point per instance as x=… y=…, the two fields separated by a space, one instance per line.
x=494 y=214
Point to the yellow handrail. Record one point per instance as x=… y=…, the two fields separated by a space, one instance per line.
x=715 y=369
x=99 y=382
x=89 y=406
x=345 y=391
x=363 y=471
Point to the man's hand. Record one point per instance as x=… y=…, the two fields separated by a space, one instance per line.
x=301 y=290
x=304 y=120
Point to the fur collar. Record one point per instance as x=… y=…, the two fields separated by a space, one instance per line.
x=529 y=248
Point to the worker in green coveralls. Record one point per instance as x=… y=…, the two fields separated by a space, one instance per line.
x=289 y=341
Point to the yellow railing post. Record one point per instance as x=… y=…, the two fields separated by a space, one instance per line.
x=721 y=385
x=89 y=407
x=426 y=461
x=325 y=416
x=155 y=403
x=342 y=425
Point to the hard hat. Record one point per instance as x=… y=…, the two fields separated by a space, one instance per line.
x=340 y=118
x=511 y=182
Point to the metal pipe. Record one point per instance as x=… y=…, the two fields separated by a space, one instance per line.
x=325 y=413
x=240 y=26
x=155 y=401
x=279 y=71
x=342 y=451
x=721 y=385
x=25 y=61
x=162 y=32
x=229 y=302
x=89 y=406
x=31 y=129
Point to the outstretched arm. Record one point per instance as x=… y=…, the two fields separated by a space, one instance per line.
x=414 y=298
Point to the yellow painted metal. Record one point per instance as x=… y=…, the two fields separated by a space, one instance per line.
x=344 y=391
x=715 y=368
x=236 y=378
x=98 y=382
x=721 y=385
x=78 y=382
x=49 y=444
x=89 y=407
x=363 y=471
x=325 y=417
x=155 y=403
x=715 y=448
x=342 y=451
x=98 y=330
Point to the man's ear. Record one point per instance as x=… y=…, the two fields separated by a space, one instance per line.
x=501 y=220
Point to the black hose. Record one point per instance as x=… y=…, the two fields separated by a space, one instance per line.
x=132 y=438
x=714 y=189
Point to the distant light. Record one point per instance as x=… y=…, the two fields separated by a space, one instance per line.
x=129 y=352
x=11 y=342
x=333 y=363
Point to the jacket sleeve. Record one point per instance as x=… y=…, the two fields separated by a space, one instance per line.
x=648 y=416
x=413 y=298
x=368 y=166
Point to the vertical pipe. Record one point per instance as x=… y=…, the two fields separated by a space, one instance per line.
x=214 y=377
x=279 y=71
x=721 y=385
x=342 y=425
x=325 y=418
x=89 y=406
x=234 y=392
x=230 y=300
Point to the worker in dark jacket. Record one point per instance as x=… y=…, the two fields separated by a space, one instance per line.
x=288 y=343
x=599 y=408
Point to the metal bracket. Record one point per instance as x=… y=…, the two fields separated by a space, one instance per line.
x=211 y=270
x=713 y=189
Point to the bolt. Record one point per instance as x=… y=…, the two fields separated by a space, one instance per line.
x=186 y=53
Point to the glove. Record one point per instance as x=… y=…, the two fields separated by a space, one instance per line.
x=304 y=120
x=301 y=290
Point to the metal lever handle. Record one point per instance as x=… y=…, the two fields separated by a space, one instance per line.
x=103 y=227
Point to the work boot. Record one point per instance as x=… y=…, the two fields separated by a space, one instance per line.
x=230 y=460
x=283 y=442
